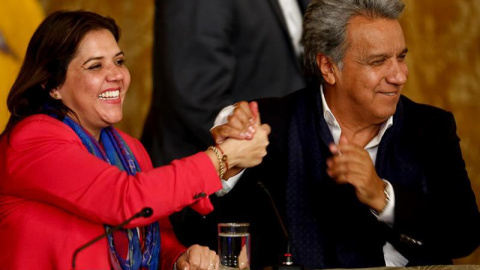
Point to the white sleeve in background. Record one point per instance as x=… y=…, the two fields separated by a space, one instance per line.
x=222 y=116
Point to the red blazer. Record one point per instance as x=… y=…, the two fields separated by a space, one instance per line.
x=55 y=196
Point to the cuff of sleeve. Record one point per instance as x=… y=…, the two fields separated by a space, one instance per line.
x=229 y=185
x=222 y=116
x=387 y=215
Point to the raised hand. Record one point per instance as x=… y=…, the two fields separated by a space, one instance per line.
x=240 y=124
x=248 y=153
x=351 y=164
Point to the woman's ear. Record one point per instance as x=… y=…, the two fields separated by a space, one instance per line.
x=326 y=68
x=55 y=94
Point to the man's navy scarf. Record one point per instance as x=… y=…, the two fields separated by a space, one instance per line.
x=116 y=152
x=329 y=227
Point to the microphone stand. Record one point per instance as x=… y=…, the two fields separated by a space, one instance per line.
x=145 y=212
x=287 y=262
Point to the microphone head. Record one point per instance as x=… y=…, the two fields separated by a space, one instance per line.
x=146 y=212
x=261 y=185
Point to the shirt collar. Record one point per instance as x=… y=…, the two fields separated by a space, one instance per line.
x=333 y=123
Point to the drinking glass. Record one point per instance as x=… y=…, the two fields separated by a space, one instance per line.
x=234 y=245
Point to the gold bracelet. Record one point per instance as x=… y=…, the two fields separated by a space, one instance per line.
x=221 y=169
x=224 y=157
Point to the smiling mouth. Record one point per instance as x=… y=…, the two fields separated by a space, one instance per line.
x=391 y=94
x=109 y=95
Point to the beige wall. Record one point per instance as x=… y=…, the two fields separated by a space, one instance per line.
x=444 y=61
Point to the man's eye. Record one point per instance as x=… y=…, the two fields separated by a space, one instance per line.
x=378 y=62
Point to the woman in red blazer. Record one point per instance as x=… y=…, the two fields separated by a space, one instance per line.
x=67 y=176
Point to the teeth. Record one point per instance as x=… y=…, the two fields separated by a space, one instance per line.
x=109 y=95
x=388 y=94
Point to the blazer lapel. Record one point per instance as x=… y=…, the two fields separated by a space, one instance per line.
x=279 y=14
x=283 y=24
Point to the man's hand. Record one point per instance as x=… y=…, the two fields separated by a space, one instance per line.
x=352 y=164
x=240 y=125
x=198 y=258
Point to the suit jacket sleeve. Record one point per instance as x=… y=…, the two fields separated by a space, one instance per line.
x=170 y=247
x=442 y=219
x=47 y=162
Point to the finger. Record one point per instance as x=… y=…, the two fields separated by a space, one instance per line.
x=213 y=260
x=237 y=124
x=204 y=258
x=244 y=113
x=338 y=169
x=221 y=133
x=182 y=264
x=217 y=136
x=334 y=149
x=255 y=114
x=343 y=139
x=217 y=262
x=351 y=149
x=241 y=119
x=266 y=128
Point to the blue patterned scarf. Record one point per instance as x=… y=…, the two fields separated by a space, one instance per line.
x=116 y=152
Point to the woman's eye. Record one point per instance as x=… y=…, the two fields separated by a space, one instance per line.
x=94 y=67
x=120 y=62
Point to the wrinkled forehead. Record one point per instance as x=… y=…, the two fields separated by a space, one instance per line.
x=375 y=35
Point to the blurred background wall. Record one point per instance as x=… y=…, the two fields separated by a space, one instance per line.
x=444 y=60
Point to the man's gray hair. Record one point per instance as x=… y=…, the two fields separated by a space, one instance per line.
x=325 y=26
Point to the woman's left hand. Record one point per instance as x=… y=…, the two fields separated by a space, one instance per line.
x=198 y=258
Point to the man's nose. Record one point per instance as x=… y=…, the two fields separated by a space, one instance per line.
x=397 y=73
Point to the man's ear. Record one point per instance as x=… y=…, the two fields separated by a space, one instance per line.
x=326 y=68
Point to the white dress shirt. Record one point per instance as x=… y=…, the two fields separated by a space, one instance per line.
x=293 y=18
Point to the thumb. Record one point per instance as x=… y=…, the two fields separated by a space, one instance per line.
x=342 y=140
x=216 y=133
x=255 y=114
x=183 y=265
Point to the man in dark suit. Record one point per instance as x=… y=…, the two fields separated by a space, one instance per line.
x=362 y=176
x=211 y=53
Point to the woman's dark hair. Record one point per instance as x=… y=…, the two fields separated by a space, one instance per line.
x=51 y=49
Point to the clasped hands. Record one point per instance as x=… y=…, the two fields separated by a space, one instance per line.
x=350 y=163
x=243 y=125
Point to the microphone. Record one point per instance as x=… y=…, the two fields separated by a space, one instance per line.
x=145 y=212
x=287 y=262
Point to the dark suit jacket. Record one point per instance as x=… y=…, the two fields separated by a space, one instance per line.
x=436 y=216
x=209 y=54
